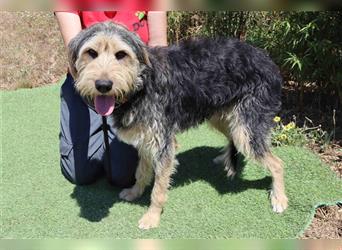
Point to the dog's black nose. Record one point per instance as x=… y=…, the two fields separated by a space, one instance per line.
x=103 y=85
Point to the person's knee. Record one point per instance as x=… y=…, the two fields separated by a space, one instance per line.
x=76 y=174
x=123 y=181
x=124 y=162
x=84 y=180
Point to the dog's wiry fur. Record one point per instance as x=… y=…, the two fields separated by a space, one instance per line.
x=165 y=90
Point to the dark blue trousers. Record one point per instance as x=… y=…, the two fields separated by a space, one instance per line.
x=82 y=147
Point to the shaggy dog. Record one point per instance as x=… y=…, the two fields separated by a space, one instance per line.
x=154 y=93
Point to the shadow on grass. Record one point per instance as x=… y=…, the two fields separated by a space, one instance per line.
x=195 y=164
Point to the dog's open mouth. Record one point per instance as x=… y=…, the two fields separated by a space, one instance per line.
x=104 y=105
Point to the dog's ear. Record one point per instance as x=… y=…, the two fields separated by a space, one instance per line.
x=72 y=57
x=146 y=57
x=140 y=48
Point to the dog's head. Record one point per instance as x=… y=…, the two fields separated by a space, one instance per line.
x=106 y=61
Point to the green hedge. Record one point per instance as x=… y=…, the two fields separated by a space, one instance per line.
x=306 y=45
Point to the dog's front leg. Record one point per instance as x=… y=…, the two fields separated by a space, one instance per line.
x=164 y=166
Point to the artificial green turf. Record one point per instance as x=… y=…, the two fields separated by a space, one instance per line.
x=37 y=202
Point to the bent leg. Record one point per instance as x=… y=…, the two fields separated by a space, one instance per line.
x=124 y=162
x=143 y=176
x=80 y=140
x=82 y=144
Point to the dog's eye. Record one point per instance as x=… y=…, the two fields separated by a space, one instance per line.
x=92 y=53
x=120 y=55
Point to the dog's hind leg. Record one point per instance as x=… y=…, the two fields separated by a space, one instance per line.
x=279 y=200
x=251 y=139
x=229 y=157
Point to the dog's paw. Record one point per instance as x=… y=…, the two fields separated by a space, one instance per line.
x=279 y=204
x=130 y=194
x=230 y=172
x=149 y=220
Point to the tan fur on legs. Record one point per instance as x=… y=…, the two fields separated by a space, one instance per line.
x=217 y=122
x=148 y=144
x=278 y=197
x=274 y=164
x=221 y=122
x=241 y=138
x=146 y=141
x=143 y=176
x=225 y=159
x=158 y=198
x=240 y=134
x=163 y=172
x=230 y=124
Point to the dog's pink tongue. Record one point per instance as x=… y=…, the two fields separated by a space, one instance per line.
x=104 y=105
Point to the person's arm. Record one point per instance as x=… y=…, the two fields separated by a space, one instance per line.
x=69 y=25
x=157 y=25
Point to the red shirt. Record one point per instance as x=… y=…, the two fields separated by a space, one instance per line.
x=135 y=21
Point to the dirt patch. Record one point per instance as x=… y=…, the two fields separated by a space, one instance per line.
x=327 y=223
x=32 y=51
x=331 y=155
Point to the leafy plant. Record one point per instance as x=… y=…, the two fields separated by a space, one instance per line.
x=290 y=134
x=306 y=45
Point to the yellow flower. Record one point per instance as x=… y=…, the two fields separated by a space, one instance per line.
x=276 y=119
x=290 y=126
x=282 y=137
